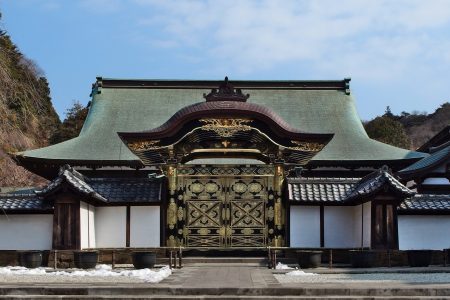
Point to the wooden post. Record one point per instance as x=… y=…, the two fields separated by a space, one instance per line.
x=389 y=258
x=55 y=258
x=170 y=259
x=113 y=259
x=445 y=257
x=269 y=258
x=330 y=259
x=180 y=263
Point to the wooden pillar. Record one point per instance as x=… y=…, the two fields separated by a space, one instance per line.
x=172 y=208
x=279 y=215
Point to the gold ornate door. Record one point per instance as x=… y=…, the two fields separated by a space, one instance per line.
x=205 y=212
x=224 y=207
x=247 y=199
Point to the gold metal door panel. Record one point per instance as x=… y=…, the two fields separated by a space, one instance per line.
x=204 y=213
x=224 y=211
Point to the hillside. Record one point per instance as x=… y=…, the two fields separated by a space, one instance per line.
x=27 y=116
x=408 y=130
x=421 y=127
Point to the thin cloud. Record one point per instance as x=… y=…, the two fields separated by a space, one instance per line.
x=370 y=39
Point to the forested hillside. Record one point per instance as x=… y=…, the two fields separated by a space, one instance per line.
x=408 y=130
x=27 y=116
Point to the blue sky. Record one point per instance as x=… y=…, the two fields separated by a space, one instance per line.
x=396 y=52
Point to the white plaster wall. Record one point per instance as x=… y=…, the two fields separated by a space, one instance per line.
x=26 y=232
x=423 y=232
x=110 y=226
x=305 y=226
x=87 y=225
x=365 y=210
x=144 y=226
x=339 y=226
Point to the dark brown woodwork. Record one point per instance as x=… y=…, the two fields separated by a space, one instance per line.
x=225 y=109
x=66 y=223
x=384 y=225
x=127 y=230
x=322 y=226
x=210 y=84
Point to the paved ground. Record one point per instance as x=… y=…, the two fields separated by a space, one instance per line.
x=242 y=281
x=222 y=276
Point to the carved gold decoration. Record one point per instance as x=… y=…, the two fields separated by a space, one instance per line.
x=171 y=242
x=255 y=187
x=247 y=231
x=240 y=187
x=278 y=213
x=204 y=231
x=172 y=214
x=225 y=207
x=270 y=213
x=211 y=187
x=144 y=145
x=172 y=175
x=180 y=214
x=307 y=146
x=226 y=127
x=186 y=231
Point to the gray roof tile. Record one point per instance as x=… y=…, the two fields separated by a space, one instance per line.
x=430 y=161
x=128 y=189
x=23 y=202
x=341 y=190
x=426 y=202
x=74 y=179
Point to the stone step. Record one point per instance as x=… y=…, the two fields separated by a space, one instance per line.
x=143 y=291
x=219 y=297
x=251 y=261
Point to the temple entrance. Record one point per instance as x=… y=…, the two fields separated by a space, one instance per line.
x=226 y=212
x=227 y=207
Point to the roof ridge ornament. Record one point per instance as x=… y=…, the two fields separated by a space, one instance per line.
x=226 y=92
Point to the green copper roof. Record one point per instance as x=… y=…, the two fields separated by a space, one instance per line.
x=123 y=107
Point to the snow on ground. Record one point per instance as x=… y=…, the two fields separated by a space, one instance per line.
x=296 y=272
x=101 y=271
x=281 y=266
x=300 y=273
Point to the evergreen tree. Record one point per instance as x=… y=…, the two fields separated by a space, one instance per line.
x=388 y=130
x=72 y=124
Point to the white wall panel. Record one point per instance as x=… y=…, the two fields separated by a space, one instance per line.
x=339 y=226
x=87 y=225
x=144 y=226
x=423 y=232
x=364 y=209
x=26 y=232
x=110 y=226
x=305 y=226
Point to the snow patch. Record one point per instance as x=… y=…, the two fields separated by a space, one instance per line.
x=281 y=266
x=300 y=273
x=146 y=275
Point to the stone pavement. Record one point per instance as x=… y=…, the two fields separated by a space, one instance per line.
x=238 y=276
x=226 y=281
